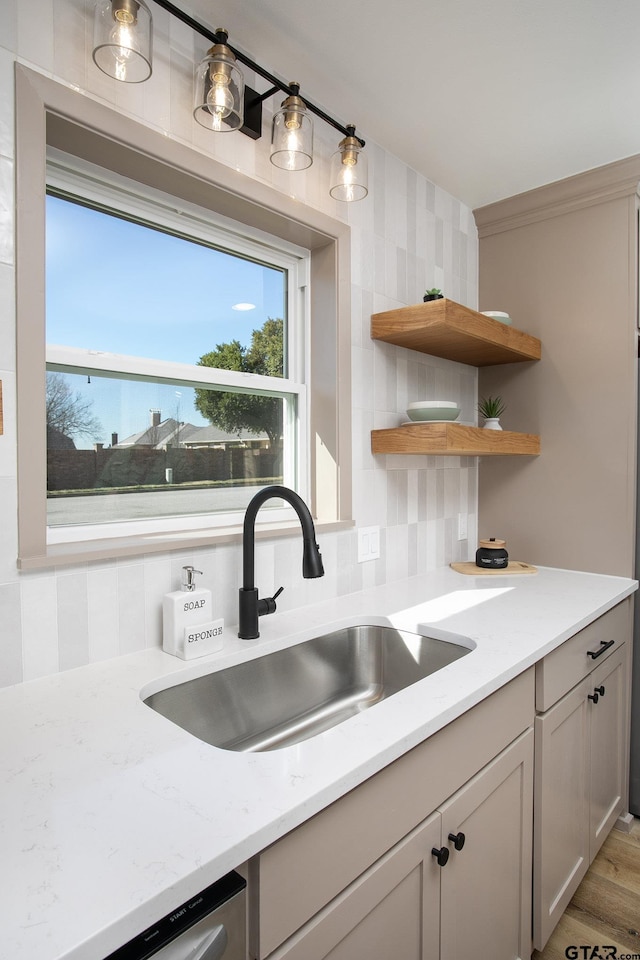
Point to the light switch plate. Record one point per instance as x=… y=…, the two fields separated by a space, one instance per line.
x=368 y=544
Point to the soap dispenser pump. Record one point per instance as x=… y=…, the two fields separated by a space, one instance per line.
x=188 y=630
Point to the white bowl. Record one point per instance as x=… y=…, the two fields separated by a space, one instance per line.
x=497 y=315
x=433 y=410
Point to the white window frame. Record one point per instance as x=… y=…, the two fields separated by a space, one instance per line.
x=72 y=178
x=50 y=113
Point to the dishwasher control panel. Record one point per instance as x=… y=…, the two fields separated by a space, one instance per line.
x=214 y=919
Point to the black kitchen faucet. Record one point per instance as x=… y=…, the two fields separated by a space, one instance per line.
x=250 y=607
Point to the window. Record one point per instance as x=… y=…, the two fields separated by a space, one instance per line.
x=175 y=360
x=51 y=116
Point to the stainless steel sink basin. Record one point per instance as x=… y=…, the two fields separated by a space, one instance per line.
x=293 y=694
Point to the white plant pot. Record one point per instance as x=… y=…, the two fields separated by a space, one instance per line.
x=492 y=423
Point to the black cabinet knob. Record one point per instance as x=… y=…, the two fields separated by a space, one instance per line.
x=600 y=690
x=457 y=839
x=441 y=855
x=593 y=696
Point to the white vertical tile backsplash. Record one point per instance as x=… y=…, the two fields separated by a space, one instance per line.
x=157 y=582
x=39 y=617
x=73 y=619
x=102 y=611
x=408 y=235
x=6 y=102
x=131 y=607
x=35 y=31
x=10 y=616
x=6 y=210
x=8 y=460
x=9 y=535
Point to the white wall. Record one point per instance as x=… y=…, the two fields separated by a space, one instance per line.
x=407 y=235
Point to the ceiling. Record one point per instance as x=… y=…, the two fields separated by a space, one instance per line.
x=484 y=99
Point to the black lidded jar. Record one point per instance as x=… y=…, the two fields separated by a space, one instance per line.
x=492 y=555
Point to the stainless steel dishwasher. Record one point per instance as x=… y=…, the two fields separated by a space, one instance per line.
x=209 y=926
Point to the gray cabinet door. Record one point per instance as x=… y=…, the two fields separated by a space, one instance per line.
x=608 y=751
x=561 y=834
x=391 y=911
x=581 y=754
x=486 y=885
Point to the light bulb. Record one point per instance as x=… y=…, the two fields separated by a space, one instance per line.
x=220 y=99
x=124 y=39
x=348 y=179
x=292 y=120
x=290 y=154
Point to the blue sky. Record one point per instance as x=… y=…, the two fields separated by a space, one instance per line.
x=121 y=287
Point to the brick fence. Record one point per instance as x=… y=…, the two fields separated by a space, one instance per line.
x=141 y=466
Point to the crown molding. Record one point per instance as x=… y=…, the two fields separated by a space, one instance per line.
x=610 y=182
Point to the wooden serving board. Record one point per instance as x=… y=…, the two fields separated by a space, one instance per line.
x=515 y=566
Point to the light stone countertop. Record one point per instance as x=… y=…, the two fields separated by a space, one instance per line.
x=111 y=816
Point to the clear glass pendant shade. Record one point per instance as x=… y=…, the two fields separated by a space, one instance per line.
x=122 y=39
x=348 y=174
x=219 y=91
x=292 y=135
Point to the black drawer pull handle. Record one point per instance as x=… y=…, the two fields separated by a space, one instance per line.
x=604 y=645
x=600 y=690
x=457 y=839
x=441 y=855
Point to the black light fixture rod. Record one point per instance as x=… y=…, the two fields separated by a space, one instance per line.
x=261 y=97
x=213 y=37
x=190 y=22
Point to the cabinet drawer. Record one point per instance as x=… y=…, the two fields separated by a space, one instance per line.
x=560 y=670
x=295 y=877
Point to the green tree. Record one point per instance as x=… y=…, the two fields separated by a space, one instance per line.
x=233 y=412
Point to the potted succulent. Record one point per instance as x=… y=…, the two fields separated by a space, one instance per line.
x=491 y=409
x=433 y=294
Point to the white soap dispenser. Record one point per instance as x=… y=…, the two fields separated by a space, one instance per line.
x=188 y=630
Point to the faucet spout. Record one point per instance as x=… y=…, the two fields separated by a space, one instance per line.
x=250 y=607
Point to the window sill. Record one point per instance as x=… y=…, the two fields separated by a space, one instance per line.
x=68 y=554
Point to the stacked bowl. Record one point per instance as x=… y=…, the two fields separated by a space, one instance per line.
x=433 y=411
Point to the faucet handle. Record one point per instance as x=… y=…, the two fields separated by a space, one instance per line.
x=271 y=601
x=268 y=604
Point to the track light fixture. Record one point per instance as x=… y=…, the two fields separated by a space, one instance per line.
x=122 y=32
x=222 y=101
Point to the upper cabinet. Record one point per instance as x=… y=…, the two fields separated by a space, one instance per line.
x=444 y=328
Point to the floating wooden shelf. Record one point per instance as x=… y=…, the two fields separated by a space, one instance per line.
x=444 y=328
x=454 y=440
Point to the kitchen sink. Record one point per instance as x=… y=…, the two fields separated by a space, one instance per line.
x=293 y=694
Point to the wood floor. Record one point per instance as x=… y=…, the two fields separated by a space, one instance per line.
x=606 y=907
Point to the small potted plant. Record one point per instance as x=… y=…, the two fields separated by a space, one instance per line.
x=491 y=409
x=433 y=294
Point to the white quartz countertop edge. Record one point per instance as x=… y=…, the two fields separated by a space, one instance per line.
x=111 y=816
